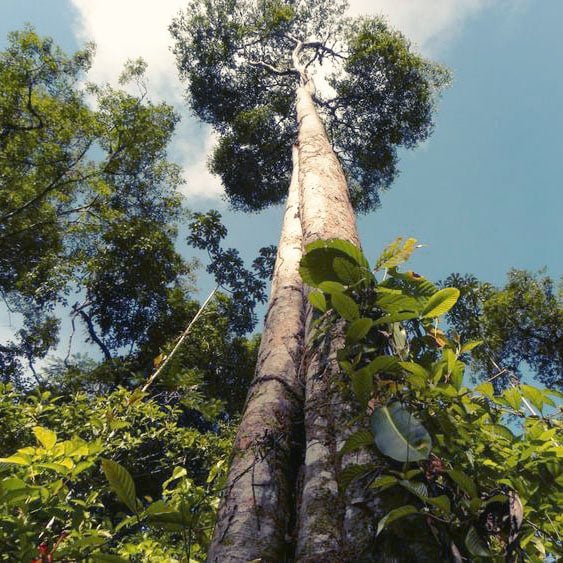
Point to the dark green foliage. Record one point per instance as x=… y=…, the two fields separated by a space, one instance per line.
x=88 y=202
x=246 y=287
x=520 y=324
x=236 y=59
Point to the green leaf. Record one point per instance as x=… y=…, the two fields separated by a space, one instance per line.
x=357 y=441
x=415 y=369
x=47 y=438
x=317 y=265
x=347 y=272
x=486 y=389
x=331 y=287
x=345 y=306
x=393 y=303
x=317 y=300
x=442 y=502
x=107 y=558
x=399 y=435
x=499 y=430
x=464 y=482
x=16 y=459
x=513 y=397
x=396 y=253
x=353 y=472
x=468 y=346
x=362 y=385
x=393 y=515
x=121 y=483
x=475 y=544
x=383 y=364
x=441 y=302
x=534 y=395
x=395 y=318
x=416 y=488
x=383 y=482
x=358 y=329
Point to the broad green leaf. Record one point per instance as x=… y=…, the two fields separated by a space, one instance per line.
x=416 y=488
x=442 y=502
x=356 y=441
x=121 y=483
x=317 y=265
x=358 y=329
x=393 y=303
x=475 y=544
x=383 y=482
x=345 y=306
x=47 y=438
x=331 y=287
x=396 y=317
x=486 y=389
x=178 y=473
x=107 y=558
x=317 y=300
x=415 y=369
x=499 y=430
x=362 y=385
x=468 y=346
x=399 y=435
x=464 y=482
x=16 y=459
x=393 y=515
x=441 y=302
x=347 y=272
x=383 y=364
x=513 y=397
x=534 y=395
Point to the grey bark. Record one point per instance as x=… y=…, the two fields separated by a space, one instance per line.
x=256 y=511
x=331 y=526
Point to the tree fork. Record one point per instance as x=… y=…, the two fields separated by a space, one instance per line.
x=257 y=510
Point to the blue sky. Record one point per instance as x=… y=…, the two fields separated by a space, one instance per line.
x=484 y=193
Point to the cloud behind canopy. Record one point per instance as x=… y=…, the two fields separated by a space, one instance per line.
x=128 y=29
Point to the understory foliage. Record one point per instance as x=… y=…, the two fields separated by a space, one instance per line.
x=463 y=474
x=120 y=477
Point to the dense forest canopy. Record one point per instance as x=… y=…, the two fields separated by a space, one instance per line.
x=130 y=441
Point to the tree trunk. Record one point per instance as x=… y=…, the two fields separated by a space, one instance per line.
x=328 y=523
x=256 y=513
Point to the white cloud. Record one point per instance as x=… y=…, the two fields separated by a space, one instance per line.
x=429 y=24
x=129 y=29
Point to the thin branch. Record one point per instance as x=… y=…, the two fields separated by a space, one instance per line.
x=179 y=342
x=271 y=68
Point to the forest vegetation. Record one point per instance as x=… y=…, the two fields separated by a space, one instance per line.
x=376 y=415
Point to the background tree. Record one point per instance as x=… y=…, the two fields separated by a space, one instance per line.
x=89 y=207
x=520 y=324
x=246 y=66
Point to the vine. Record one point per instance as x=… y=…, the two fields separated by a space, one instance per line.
x=463 y=474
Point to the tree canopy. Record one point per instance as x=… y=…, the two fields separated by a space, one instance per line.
x=520 y=324
x=239 y=61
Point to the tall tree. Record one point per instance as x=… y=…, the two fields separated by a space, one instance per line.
x=88 y=202
x=247 y=66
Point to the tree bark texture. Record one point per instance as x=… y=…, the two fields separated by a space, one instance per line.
x=331 y=526
x=256 y=512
